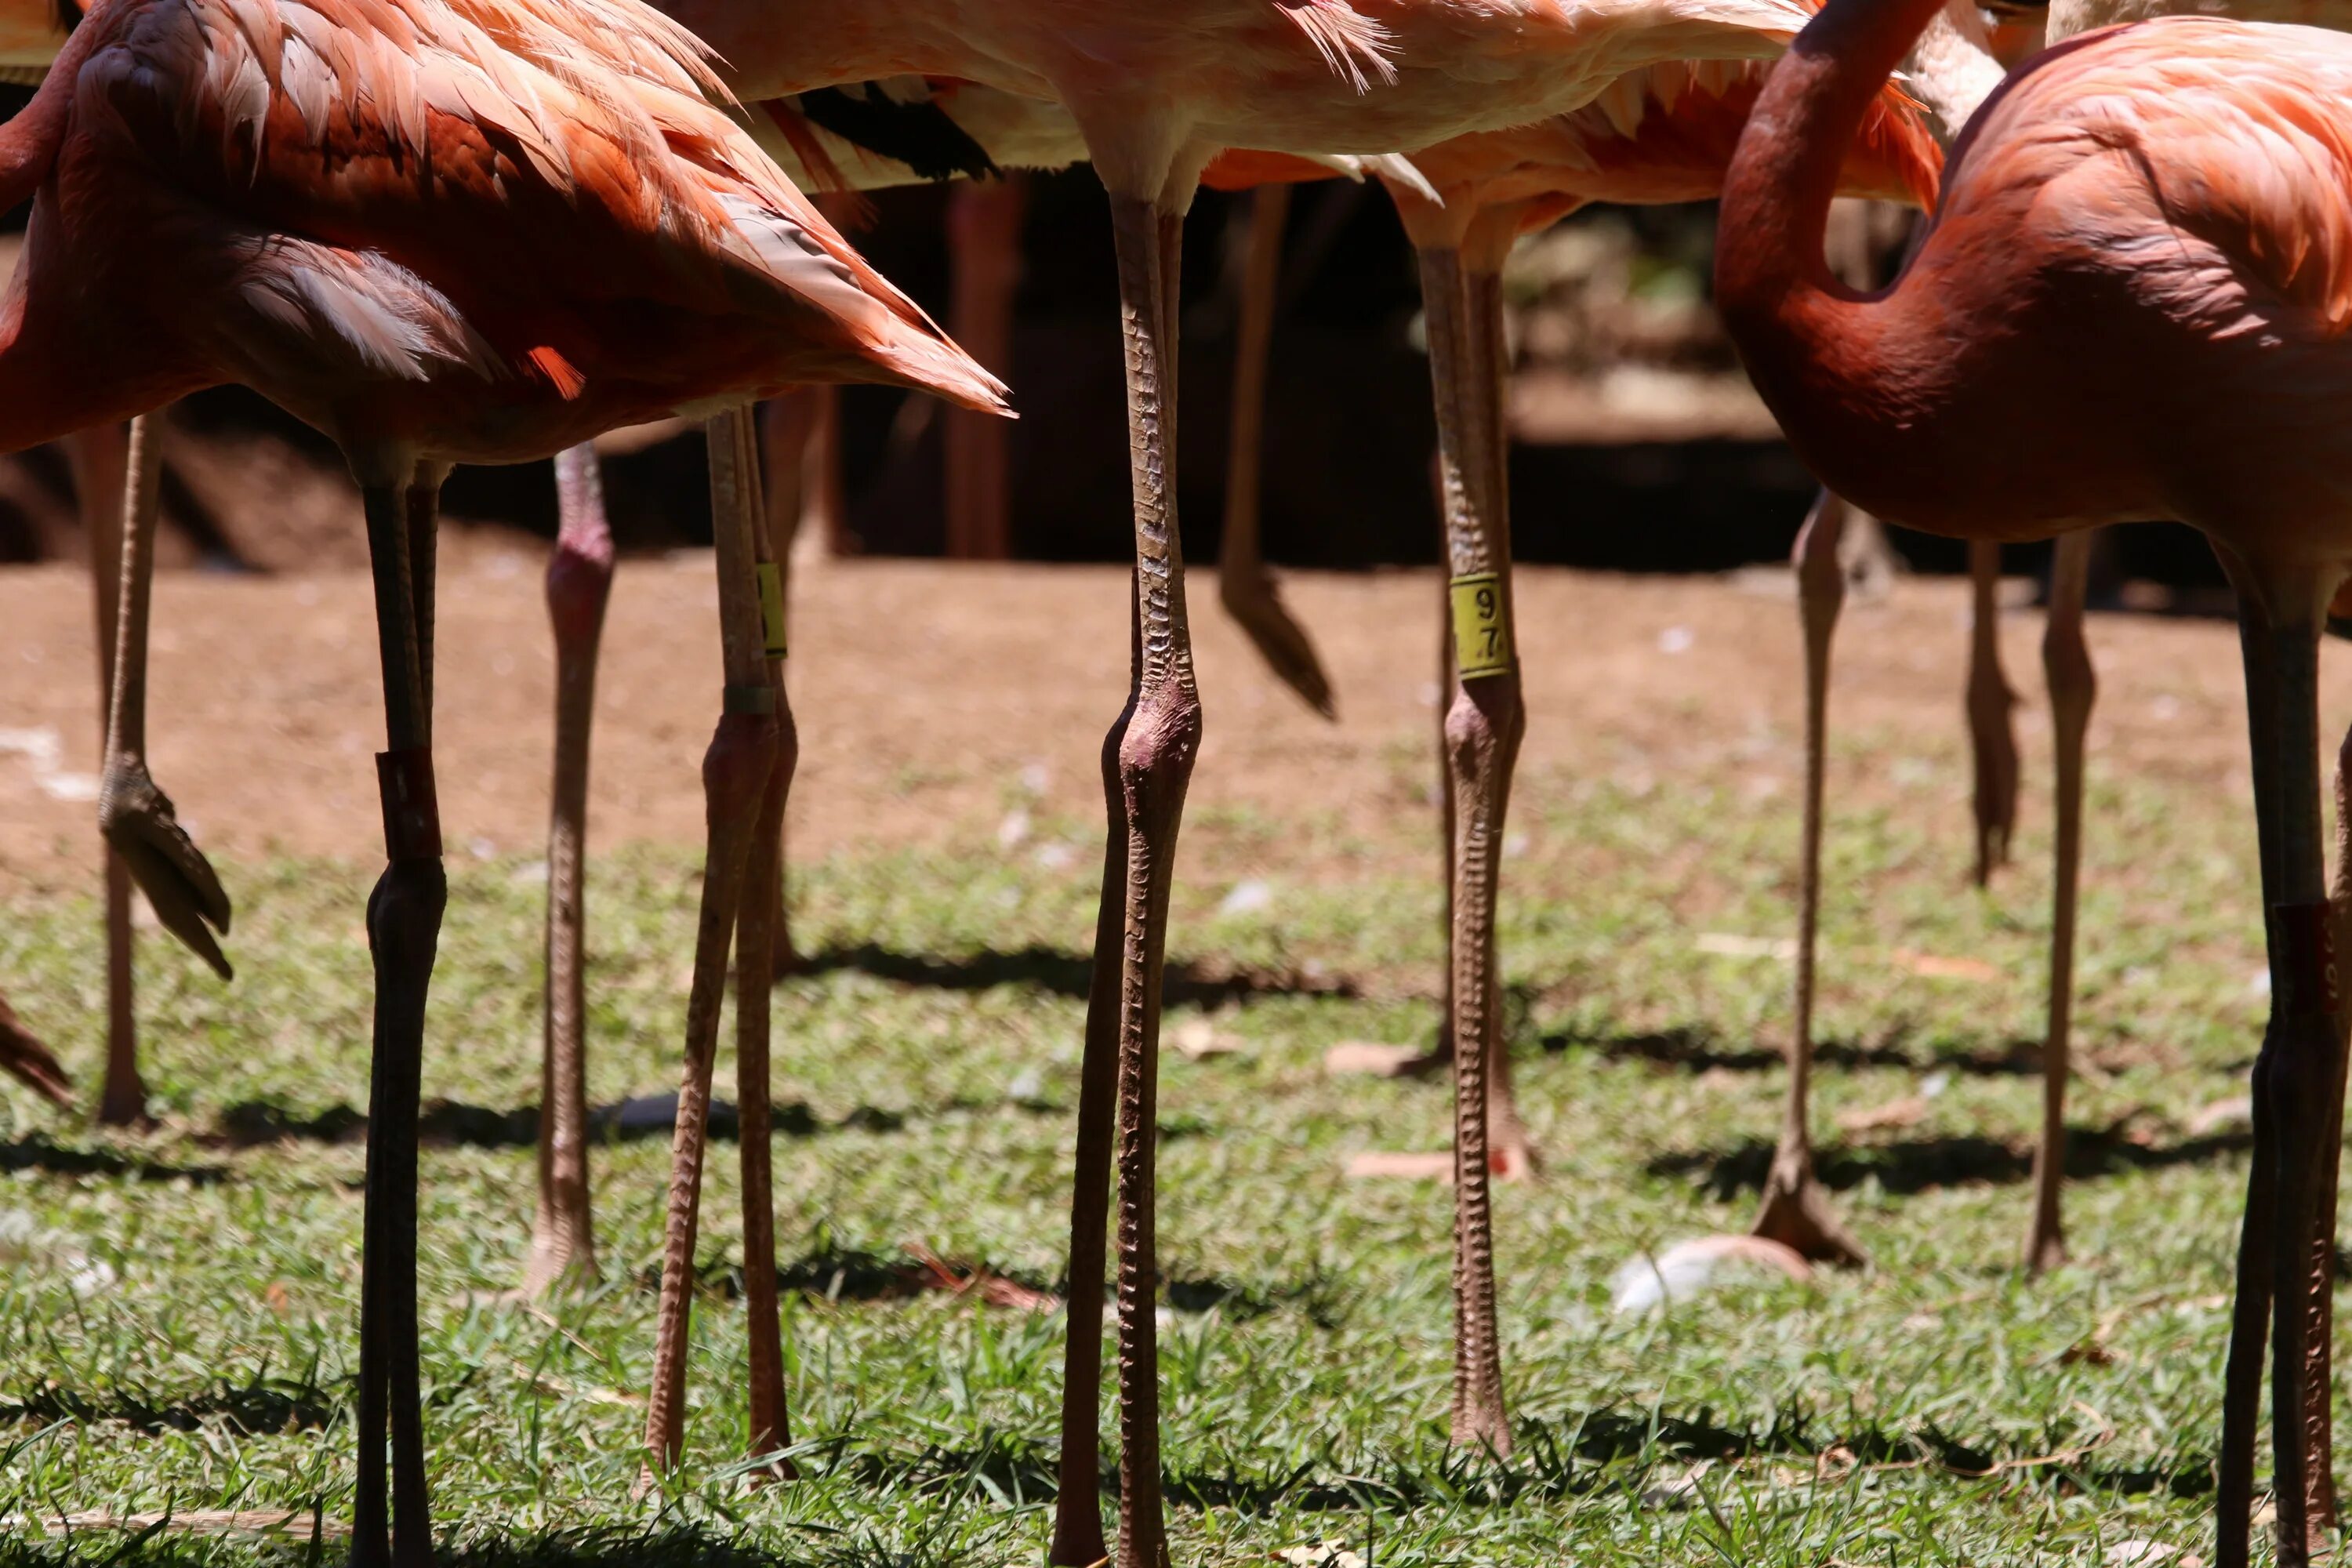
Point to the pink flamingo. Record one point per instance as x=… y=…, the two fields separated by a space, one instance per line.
x=2145 y=230
x=1155 y=106
x=579 y=238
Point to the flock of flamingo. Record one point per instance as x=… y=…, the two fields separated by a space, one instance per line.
x=485 y=231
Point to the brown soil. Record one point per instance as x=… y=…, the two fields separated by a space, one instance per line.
x=926 y=690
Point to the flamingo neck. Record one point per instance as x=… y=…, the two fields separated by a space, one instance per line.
x=1819 y=355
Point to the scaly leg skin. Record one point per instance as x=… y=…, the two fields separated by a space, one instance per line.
x=1245 y=585
x=2280 y=614
x=1796 y=1212
x=2319 y=1379
x=1993 y=734
x=579 y=585
x=404 y=931
x=136 y=816
x=100 y=458
x=2066 y=660
x=985 y=249
x=1078 y=1540
x=1483 y=730
x=755 y=948
x=1156 y=753
x=735 y=772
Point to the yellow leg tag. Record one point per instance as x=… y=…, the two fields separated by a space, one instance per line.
x=771 y=606
x=1482 y=629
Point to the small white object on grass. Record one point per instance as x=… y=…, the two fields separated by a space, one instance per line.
x=1013 y=831
x=1676 y=640
x=1685 y=1269
x=1249 y=896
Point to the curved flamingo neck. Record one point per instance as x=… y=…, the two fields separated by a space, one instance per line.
x=1818 y=353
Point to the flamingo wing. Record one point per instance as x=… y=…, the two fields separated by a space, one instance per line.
x=546 y=161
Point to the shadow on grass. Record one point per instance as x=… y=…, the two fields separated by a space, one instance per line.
x=856 y=1276
x=1918 y=1165
x=1601 y=1450
x=262 y=1406
x=1063 y=973
x=1694 y=1050
x=194 y=1543
x=35 y=1152
x=445 y=1122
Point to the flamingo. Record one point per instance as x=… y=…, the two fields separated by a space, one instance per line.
x=1157 y=91
x=2144 y=230
x=483 y=236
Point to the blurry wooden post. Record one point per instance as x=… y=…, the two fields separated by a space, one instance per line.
x=985 y=249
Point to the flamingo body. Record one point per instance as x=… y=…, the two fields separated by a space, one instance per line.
x=1168 y=84
x=2146 y=230
x=482 y=230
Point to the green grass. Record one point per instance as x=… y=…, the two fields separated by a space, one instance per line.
x=1939 y=1408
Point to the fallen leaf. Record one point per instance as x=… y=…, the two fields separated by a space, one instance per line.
x=2138 y=1553
x=1905 y=1112
x=2231 y=1112
x=1365 y=1058
x=1196 y=1039
x=1932 y=967
x=1688 y=1268
x=1725 y=944
x=279 y=1301
x=1329 y=1554
x=1378 y=1165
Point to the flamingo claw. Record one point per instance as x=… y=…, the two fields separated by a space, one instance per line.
x=179 y=882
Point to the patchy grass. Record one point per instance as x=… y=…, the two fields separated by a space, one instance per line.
x=177 y=1336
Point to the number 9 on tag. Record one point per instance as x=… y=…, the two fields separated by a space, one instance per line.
x=1482 y=629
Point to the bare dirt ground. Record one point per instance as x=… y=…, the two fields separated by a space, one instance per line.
x=925 y=691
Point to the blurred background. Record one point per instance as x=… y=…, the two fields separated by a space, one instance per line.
x=1637 y=445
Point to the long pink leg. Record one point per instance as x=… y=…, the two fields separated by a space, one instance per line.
x=1992 y=704
x=1149 y=760
x=137 y=817
x=2295 y=1078
x=1796 y=1212
x=101 y=461
x=579 y=585
x=984 y=241
x=2073 y=687
x=1245 y=585
x=1483 y=730
x=756 y=945
x=404 y=931
x=735 y=772
x=799 y=438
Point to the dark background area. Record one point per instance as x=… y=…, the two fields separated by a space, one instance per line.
x=1348 y=439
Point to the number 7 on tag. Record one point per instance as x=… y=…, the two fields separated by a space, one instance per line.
x=1482 y=627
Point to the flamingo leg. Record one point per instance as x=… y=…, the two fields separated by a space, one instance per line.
x=1245 y=585
x=984 y=242
x=2293 y=1079
x=756 y=945
x=403 y=932
x=579 y=585
x=2073 y=687
x=735 y=772
x=101 y=471
x=1796 y=1212
x=796 y=441
x=1484 y=726
x=137 y=817
x=1148 y=763
x=1992 y=737
x=2319 y=1419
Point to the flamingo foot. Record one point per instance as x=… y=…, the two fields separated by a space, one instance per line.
x=1256 y=604
x=1797 y=1215
x=138 y=823
x=23 y=1057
